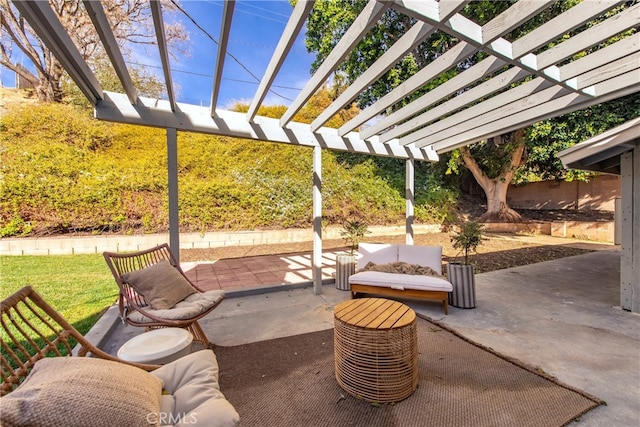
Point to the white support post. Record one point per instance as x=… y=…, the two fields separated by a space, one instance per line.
x=172 y=168
x=317 y=221
x=635 y=273
x=630 y=246
x=410 y=198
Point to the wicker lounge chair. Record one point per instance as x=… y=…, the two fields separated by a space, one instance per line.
x=41 y=388
x=26 y=315
x=138 y=310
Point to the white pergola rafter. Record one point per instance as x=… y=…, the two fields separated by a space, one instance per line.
x=100 y=21
x=158 y=23
x=496 y=87
x=47 y=26
x=225 y=28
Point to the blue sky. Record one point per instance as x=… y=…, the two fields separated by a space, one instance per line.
x=255 y=32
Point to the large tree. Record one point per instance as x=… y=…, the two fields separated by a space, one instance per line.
x=494 y=162
x=130 y=22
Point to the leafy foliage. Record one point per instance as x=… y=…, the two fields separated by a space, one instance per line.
x=467 y=238
x=353 y=230
x=492 y=162
x=63 y=171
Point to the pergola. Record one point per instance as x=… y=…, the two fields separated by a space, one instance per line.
x=519 y=82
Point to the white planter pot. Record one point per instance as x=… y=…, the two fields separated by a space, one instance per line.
x=464 y=285
x=345 y=267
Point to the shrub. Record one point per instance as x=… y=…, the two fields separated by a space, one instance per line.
x=63 y=171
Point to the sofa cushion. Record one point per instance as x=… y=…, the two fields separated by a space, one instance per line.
x=191 y=306
x=429 y=256
x=377 y=253
x=400 y=281
x=78 y=391
x=402 y=268
x=193 y=382
x=161 y=284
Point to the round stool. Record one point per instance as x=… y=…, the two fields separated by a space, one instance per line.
x=157 y=347
x=376 y=349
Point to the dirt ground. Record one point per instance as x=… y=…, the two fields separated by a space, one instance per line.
x=496 y=252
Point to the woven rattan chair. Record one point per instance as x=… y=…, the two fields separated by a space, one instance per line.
x=32 y=330
x=135 y=310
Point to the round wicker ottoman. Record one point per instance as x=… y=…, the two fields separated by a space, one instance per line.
x=376 y=349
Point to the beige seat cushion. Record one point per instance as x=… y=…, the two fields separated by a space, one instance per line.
x=400 y=281
x=188 y=308
x=193 y=382
x=78 y=391
x=161 y=284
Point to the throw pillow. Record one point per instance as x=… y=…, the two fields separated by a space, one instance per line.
x=161 y=285
x=78 y=391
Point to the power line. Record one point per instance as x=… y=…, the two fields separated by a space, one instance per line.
x=193 y=73
x=228 y=53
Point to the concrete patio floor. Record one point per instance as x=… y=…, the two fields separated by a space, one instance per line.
x=561 y=316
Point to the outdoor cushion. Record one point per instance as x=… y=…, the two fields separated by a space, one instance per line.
x=78 y=391
x=402 y=268
x=377 y=253
x=193 y=383
x=400 y=281
x=191 y=306
x=429 y=256
x=161 y=284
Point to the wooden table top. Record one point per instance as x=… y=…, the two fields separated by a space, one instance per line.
x=374 y=313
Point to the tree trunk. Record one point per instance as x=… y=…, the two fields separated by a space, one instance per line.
x=497 y=208
x=496 y=188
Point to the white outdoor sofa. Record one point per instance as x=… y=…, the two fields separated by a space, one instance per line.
x=397 y=284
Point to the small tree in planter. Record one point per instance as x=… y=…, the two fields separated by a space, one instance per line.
x=462 y=275
x=352 y=232
x=468 y=238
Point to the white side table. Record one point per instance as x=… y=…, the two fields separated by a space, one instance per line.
x=157 y=347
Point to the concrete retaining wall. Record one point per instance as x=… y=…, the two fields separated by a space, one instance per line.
x=66 y=245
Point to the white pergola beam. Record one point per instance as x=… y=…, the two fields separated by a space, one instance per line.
x=158 y=23
x=459 y=26
x=360 y=27
x=442 y=63
x=451 y=58
x=429 y=135
x=487 y=88
x=520 y=98
x=287 y=40
x=157 y=113
x=448 y=8
x=567 y=21
x=615 y=88
x=602 y=57
x=225 y=29
x=593 y=64
x=44 y=21
x=103 y=28
x=513 y=17
x=599 y=33
x=613 y=69
x=405 y=44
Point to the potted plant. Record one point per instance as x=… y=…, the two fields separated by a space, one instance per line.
x=462 y=274
x=352 y=232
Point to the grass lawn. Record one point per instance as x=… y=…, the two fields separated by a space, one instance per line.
x=80 y=287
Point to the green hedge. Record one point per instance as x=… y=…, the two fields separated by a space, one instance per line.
x=63 y=171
